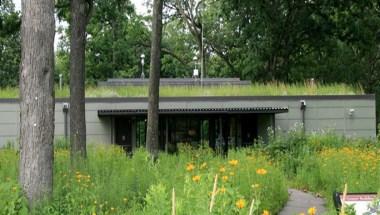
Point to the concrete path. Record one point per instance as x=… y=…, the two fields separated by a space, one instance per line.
x=300 y=202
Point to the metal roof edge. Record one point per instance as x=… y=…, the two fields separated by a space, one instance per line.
x=165 y=111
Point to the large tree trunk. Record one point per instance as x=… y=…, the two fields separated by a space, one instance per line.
x=154 y=80
x=77 y=78
x=37 y=99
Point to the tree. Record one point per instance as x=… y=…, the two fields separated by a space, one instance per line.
x=80 y=12
x=154 y=80
x=178 y=48
x=10 y=47
x=190 y=12
x=37 y=99
x=116 y=37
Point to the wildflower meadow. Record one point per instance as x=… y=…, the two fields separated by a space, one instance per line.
x=251 y=180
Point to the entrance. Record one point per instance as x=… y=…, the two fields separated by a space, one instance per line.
x=123 y=136
x=249 y=129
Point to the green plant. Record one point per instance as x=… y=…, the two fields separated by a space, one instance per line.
x=12 y=201
x=255 y=89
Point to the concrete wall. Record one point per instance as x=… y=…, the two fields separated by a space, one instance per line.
x=322 y=113
x=98 y=129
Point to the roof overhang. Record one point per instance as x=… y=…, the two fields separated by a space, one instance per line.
x=245 y=110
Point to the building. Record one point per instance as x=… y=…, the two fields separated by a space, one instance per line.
x=218 y=121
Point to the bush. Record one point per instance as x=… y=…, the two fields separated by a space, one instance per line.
x=330 y=169
x=291 y=150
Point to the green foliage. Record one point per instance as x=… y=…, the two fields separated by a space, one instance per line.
x=10 y=48
x=256 y=89
x=330 y=169
x=292 y=149
x=110 y=182
x=116 y=37
x=295 y=40
x=157 y=200
x=61 y=144
x=12 y=201
x=11 y=198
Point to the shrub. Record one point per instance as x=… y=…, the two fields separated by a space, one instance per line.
x=330 y=169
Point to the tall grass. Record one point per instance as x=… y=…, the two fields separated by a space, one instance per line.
x=256 y=89
x=323 y=163
x=112 y=183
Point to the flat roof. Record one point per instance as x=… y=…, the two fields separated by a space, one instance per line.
x=210 y=98
x=175 y=82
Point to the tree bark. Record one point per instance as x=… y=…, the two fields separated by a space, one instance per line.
x=37 y=99
x=154 y=80
x=202 y=55
x=78 y=24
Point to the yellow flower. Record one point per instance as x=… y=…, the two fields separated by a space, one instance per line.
x=196 y=178
x=222 y=169
x=265 y=212
x=240 y=203
x=222 y=189
x=93 y=213
x=261 y=171
x=233 y=162
x=301 y=214
x=254 y=186
x=225 y=178
x=203 y=166
x=190 y=167
x=312 y=211
x=232 y=173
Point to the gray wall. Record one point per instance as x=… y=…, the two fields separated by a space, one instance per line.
x=328 y=113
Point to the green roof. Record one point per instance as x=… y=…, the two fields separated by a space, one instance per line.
x=257 y=89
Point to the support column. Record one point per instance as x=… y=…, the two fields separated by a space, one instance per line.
x=232 y=136
x=238 y=132
x=211 y=133
x=166 y=134
x=133 y=133
x=113 y=132
x=220 y=142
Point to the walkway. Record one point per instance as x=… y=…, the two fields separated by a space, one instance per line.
x=300 y=202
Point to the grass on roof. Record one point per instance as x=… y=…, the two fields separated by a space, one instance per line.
x=257 y=89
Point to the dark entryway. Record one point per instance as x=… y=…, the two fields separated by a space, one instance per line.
x=249 y=129
x=123 y=134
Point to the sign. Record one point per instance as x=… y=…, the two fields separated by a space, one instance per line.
x=363 y=203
